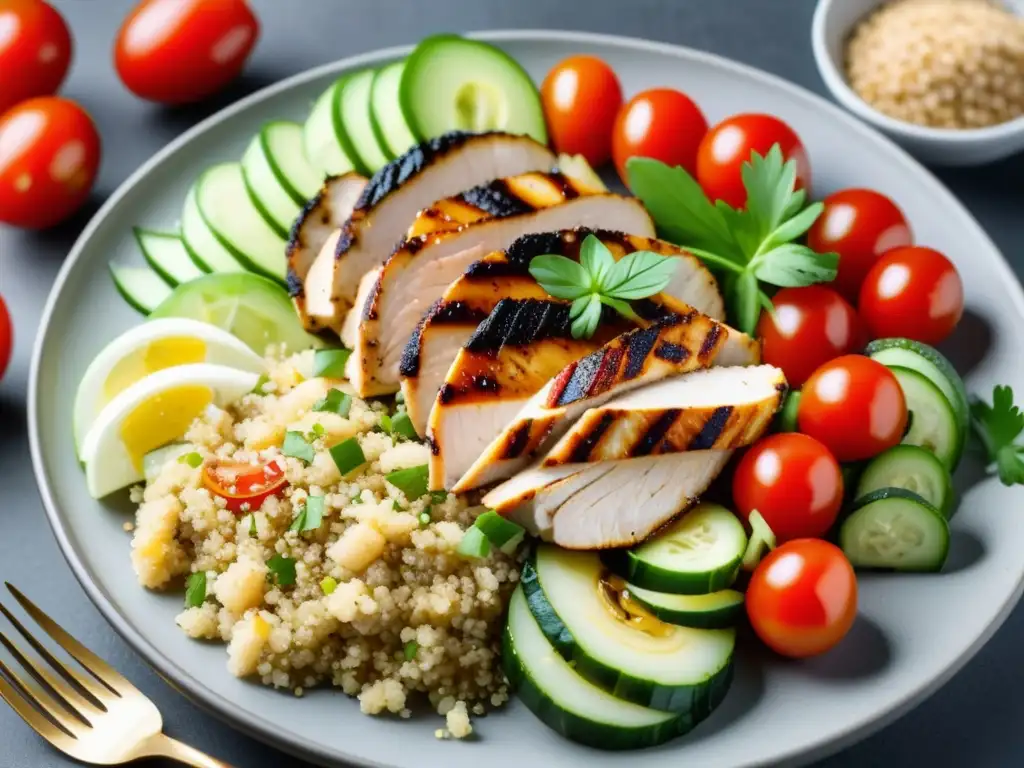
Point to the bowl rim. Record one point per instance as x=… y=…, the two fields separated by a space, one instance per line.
x=836 y=82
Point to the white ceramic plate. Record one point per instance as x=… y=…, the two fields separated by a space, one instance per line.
x=913 y=632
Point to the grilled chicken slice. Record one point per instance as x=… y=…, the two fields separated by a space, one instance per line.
x=311 y=246
x=486 y=218
x=718 y=408
x=672 y=346
x=624 y=501
x=431 y=171
x=436 y=342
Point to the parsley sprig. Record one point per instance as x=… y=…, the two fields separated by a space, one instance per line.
x=749 y=247
x=997 y=427
x=597 y=280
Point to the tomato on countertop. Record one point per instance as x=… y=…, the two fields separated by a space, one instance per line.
x=730 y=144
x=661 y=123
x=35 y=51
x=49 y=156
x=802 y=598
x=811 y=325
x=581 y=97
x=914 y=292
x=860 y=225
x=855 y=406
x=6 y=337
x=181 y=51
x=244 y=486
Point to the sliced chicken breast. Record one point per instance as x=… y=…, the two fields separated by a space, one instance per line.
x=438 y=338
x=431 y=171
x=310 y=253
x=417 y=274
x=717 y=408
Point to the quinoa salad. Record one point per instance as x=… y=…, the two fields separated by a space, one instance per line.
x=332 y=579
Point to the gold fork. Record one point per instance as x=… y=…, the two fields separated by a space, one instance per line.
x=99 y=717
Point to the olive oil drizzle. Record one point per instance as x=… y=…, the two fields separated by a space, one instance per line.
x=615 y=594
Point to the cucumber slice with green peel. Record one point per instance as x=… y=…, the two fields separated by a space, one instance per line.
x=697 y=554
x=386 y=115
x=931 y=363
x=275 y=169
x=713 y=611
x=636 y=658
x=208 y=253
x=569 y=704
x=933 y=423
x=913 y=469
x=354 y=103
x=894 y=529
x=236 y=222
x=141 y=287
x=320 y=140
x=451 y=83
x=256 y=310
x=167 y=255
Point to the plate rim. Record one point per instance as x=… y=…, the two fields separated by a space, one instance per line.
x=268 y=732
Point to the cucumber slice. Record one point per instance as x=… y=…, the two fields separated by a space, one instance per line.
x=452 y=83
x=235 y=221
x=713 y=611
x=894 y=529
x=321 y=141
x=386 y=115
x=154 y=461
x=567 y=703
x=141 y=287
x=256 y=310
x=277 y=175
x=202 y=245
x=354 y=102
x=697 y=554
x=650 y=663
x=931 y=363
x=912 y=469
x=167 y=255
x=933 y=424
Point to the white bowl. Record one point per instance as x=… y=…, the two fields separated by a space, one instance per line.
x=833 y=22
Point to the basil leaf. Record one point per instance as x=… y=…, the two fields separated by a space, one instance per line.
x=791 y=229
x=562 y=277
x=744 y=302
x=195 y=589
x=792 y=265
x=587 y=317
x=282 y=569
x=295 y=445
x=622 y=307
x=412 y=481
x=596 y=259
x=336 y=401
x=642 y=274
x=330 y=363
x=348 y=455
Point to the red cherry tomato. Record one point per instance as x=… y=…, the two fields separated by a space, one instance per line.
x=180 y=51
x=49 y=155
x=860 y=225
x=793 y=481
x=812 y=324
x=35 y=51
x=802 y=598
x=659 y=123
x=729 y=145
x=244 y=486
x=914 y=292
x=6 y=337
x=855 y=406
x=581 y=98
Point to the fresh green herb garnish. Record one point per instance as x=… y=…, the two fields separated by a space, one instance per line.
x=474 y=543
x=997 y=426
x=310 y=516
x=253 y=533
x=412 y=482
x=336 y=401
x=401 y=425
x=357 y=499
x=328 y=585
x=385 y=424
x=410 y=650
x=282 y=569
x=318 y=430
x=330 y=363
x=296 y=446
x=597 y=280
x=762 y=539
x=438 y=496
x=395 y=506
x=348 y=455
x=193 y=459
x=751 y=246
x=195 y=589
x=258 y=389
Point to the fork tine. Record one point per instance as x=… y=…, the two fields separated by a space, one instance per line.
x=93 y=692
x=68 y=724
x=90 y=662
x=36 y=721
x=58 y=690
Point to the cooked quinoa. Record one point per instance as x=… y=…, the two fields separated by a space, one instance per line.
x=405 y=611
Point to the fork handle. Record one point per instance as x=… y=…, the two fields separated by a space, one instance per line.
x=162 y=745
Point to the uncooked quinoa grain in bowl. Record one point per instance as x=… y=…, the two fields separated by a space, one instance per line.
x=300 y=521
